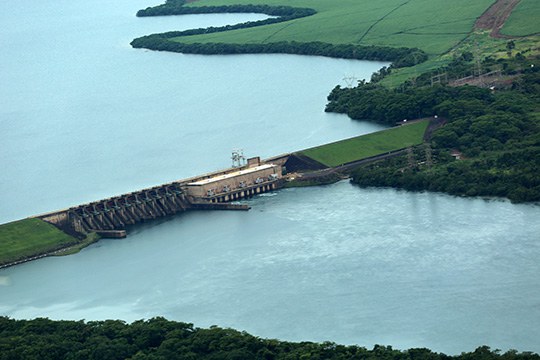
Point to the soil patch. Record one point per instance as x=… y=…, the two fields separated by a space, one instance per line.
x=494 y=18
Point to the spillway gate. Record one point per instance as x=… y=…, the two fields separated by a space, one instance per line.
x=117 y=212
x=111 y=216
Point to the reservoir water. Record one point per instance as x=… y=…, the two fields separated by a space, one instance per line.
x=84 y=116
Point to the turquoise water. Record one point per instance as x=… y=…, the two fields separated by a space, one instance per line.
x=84 y=116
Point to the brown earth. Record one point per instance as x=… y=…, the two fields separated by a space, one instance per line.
x=494 y=18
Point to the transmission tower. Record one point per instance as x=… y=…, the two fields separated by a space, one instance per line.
x=410 y=158
x=429 y=161
x=351 y=81
x=478 y=64
x=238 y=159
x=439 y=79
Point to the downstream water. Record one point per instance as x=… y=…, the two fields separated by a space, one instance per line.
x=84 y=116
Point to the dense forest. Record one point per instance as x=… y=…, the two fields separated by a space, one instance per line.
x=160 y=339
x=400 y=57
x=494 y=132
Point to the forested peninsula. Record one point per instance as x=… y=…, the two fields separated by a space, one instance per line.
x=161 y=339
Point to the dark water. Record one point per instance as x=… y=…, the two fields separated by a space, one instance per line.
x=84 y=116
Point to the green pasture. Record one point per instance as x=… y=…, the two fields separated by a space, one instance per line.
x=524 y=20
x=434 y=26
x=29 y=237
x=365 y=146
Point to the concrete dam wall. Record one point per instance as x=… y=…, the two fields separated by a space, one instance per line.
x=111 y=216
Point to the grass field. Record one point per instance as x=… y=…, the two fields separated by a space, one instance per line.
x=29 y=237
x=524 y=20
x=364 y=146
x=434 y=26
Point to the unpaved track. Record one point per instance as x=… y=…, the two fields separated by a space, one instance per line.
x=494 y=18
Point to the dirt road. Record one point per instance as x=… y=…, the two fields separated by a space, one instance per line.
x=494 y=18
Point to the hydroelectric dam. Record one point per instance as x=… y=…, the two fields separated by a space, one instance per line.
x=220 y=189
x=110 y=217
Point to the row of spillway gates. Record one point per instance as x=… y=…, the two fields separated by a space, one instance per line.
x=208 y=190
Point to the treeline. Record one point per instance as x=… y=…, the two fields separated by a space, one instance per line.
x=176 y=7
x=377 y=103
x=400 y=57
x=495 y=135
x=161 y=42
x=512 y=174
x=160 y=339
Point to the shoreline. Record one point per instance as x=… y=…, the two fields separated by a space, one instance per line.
x=63 y=251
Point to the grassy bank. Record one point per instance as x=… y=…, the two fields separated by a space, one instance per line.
x=365 y=146
x=31 y=237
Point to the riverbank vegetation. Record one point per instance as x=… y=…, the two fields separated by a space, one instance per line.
x=361 y=147
x=490 y=145
x=278 y=13
x=159 y=338
x=400 y=56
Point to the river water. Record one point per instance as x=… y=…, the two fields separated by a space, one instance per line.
x=84 y=116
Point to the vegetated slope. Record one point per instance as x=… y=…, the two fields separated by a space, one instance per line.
x=30 y=237
x=433 y=26
x=524 y=20
x=496 y=135
x=160 y=339
x=361 y=147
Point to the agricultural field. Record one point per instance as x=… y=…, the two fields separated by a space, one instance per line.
x=365 y=146
x=434 y=26
x=524 y=20
x=30 y=237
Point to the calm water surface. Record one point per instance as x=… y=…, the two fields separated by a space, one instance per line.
x=84 y=116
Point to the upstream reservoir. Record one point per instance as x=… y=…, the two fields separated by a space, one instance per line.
x=84 y=117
